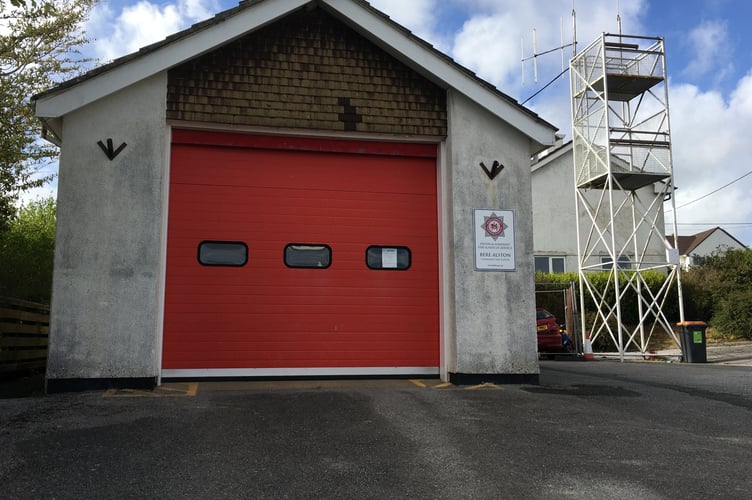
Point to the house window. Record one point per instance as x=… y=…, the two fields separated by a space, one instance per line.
x=550 y=264
x=308 y=256
x=222 y=253
x=394 y=258
x=624 y=262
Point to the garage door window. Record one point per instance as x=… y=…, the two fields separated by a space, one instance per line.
x=388 y=258
x=308 y=256
x=222 y=253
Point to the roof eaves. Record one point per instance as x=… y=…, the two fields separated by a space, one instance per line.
x=195 y=28
x=698 y=238
x=547 y=156
x=732 y=237
x=686 y=244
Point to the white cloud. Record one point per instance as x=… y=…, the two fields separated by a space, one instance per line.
x=707 y=41
x=416 y=15
x=710 y=143
x=490 y=41
x=485 y=45
x=141 y=24
x=741 y=98
x=198 y=10
x=413 y=14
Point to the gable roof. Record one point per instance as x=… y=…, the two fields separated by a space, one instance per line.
x=686 y=244
x=547 y=156
x=251 y=15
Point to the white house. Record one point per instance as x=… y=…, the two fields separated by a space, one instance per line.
x=554 y=215
x=693 y=248
x=291 y=188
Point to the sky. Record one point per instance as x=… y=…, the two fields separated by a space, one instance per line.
x=708 y=58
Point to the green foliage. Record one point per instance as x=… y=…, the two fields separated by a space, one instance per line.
x=719 y=291
x=732 y=317
x=604 y=284
x=559 y=279
x=698 y=299
x=27 y=253
x=550 y=295
x=38 y=43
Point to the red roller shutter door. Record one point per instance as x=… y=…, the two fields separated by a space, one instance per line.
x=269 y=192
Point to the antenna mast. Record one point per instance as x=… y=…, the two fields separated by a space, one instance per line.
x=618 y=16
x=561 y=47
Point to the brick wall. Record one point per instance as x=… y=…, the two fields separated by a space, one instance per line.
x=307 y=71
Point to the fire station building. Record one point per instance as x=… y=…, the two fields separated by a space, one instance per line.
x=291 y=188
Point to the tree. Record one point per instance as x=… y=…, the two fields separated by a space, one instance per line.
x=719 y=290
x=27 y=252
x=39 y=41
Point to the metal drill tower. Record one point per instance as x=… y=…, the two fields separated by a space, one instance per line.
x=623 y=175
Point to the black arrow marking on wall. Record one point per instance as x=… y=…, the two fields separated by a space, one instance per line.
x=496 y=167
x=108 y=149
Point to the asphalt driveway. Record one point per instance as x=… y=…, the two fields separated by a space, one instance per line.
x=598 y=429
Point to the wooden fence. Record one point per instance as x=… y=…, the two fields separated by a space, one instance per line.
x=24 y=329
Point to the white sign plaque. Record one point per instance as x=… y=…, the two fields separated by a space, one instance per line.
x=494 y=240
x=389 y=258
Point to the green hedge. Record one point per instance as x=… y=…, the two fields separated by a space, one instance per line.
x=717 y=291
x=603 y=282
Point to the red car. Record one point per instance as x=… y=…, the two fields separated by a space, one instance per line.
x=549 y=333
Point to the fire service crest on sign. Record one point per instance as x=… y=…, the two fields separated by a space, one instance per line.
x=494 y=240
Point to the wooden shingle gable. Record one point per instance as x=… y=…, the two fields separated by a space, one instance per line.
x=307 y=71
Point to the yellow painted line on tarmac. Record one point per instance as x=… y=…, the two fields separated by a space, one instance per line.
x=184 y=389
x=127 y=393
x=424 y=385
x=192 y=389
x=442 y=385
x=487 y=385
x=161 y=391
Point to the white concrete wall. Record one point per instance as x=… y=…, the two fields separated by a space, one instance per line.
x=105 y=304
x=490 y=320
x=554 y=231
x=554 y=215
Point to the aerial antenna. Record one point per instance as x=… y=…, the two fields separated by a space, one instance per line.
x=574 y=31
x=561 y=40
x=618 y=16
x=560 y=48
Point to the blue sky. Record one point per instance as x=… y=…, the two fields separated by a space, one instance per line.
x=707 y=51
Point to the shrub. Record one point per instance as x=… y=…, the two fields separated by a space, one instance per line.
x=27 y=252
x=732 y=317
x=719 y=291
